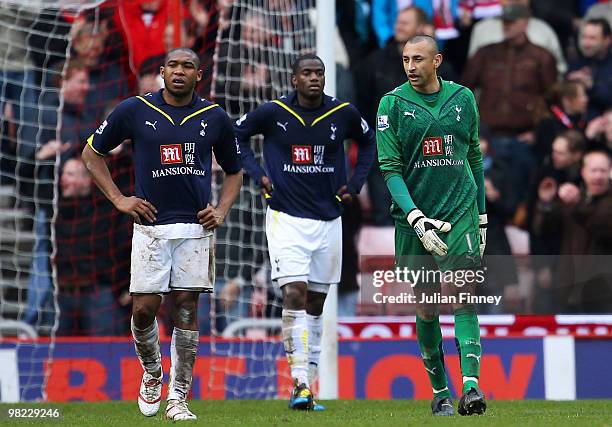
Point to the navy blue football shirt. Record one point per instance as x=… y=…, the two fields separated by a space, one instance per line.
x=303 y=152
x=173 y=149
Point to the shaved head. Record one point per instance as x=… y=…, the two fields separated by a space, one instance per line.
x=422 y=58
x=431 y=42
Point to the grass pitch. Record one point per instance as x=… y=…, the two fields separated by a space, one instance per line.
x=250 y=413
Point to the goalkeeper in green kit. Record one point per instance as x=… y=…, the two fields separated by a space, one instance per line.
x=429 y=154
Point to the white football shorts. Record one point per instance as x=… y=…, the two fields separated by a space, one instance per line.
x=304 y=250
x=163 y=265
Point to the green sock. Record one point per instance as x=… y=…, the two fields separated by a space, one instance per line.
x=430 y=344
x=467 y=339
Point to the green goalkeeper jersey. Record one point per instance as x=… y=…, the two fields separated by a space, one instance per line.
x=431 y=142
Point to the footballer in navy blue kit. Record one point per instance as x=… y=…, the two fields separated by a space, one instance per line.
x=305 y=183
x=174 y=134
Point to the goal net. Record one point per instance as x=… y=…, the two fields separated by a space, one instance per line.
x=256 y=45
x=64 y=250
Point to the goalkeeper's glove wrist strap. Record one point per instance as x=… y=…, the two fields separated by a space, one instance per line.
x=483 y=220
x=413 y=216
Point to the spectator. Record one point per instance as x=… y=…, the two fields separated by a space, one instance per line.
x=442 y=13
x=594 y=68
x=75 y=124
x=379 y=73
x=502 y=202
x=603 y=9
x=40 y=167
x=143 y=26
x=476 y=10
x=445 y=70
x=561 y=15
x=149 y=78
x=18 y=91
x=83 y=233
x=490 y=31
x=583 y=216
x=599 y=131
x=562 y=167
x=512 y=76
x=106 y=79
x=567 y=102
x=244 y=78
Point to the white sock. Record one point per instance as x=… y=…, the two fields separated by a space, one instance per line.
x=183 y=349
x=315 y=327
x=146 y=343
x=295 y=340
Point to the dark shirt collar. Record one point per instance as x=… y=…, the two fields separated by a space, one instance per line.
x=293 y=101
x=159 y=99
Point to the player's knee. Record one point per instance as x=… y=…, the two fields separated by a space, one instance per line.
x=464 y=307
x=294 y=297
x=143 y=315
x=185 y=313
x=314 y=303
x=427 y=311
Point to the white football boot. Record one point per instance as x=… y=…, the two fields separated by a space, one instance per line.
x=149 y=397
x=177 y=410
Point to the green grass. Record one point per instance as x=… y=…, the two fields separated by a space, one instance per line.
x=340 y=413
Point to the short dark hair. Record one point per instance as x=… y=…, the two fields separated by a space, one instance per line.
x=563 y=89
x=424 y=38
x=575 y=140
x=151 y=65
x=421 y=15
x=65 y=70
x=295 y=67
x=603 y=23
x=602 y=151
x=183 y=49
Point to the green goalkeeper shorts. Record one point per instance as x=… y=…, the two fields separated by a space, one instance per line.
x=463 y=243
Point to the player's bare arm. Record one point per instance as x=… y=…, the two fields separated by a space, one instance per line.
x=135 y=207
x=266 y=187
x=213 y=216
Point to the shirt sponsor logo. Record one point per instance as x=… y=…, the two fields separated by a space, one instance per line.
x=189 y=153
x=319 y=153
x=179 y=170
x=382 y=123
x=308 y=159
x=434 y=163
x=448 y=146
x=432 y=146
x=171 y=154
x=308 y=168
x=301 y=154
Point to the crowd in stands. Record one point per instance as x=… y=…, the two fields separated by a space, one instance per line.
x=541 y=72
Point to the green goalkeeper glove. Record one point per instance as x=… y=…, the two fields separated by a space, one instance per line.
x=482 y=223
x=426 y=231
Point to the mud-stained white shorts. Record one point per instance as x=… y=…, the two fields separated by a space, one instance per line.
x=304 y=250
x=163 y=265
